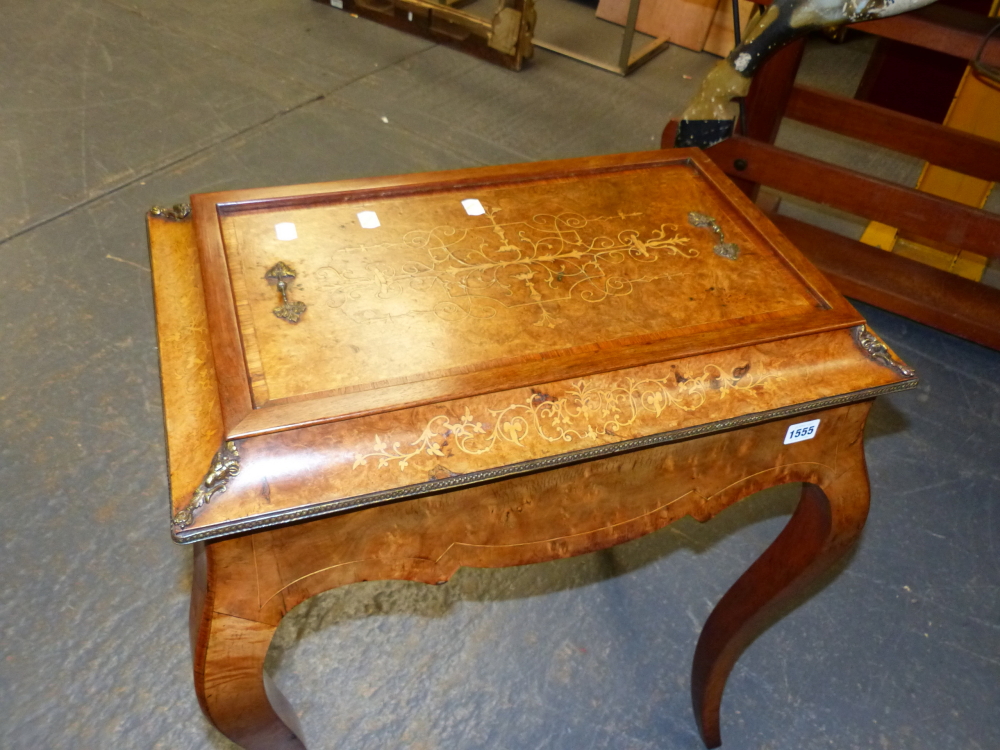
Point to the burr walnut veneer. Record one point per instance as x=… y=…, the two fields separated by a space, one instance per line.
x=396 y=377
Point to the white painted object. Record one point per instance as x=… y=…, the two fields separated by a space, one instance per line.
x=368 y=219
x=802 y=431
x=473 y=207
x=286 y=231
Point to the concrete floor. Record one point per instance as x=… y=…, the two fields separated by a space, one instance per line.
x=110 y=106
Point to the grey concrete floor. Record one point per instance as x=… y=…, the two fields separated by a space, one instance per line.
x=110 y=106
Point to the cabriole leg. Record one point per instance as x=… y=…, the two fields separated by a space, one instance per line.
x=235 y=693
x=824 y=525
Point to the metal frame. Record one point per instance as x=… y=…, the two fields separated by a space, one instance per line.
x=627 y=62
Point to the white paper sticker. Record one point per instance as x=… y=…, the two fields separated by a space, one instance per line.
x=801 y=431
x=368 y=219
x=337 y=4
x=286 y=231
x=409 y=16
x=473 y=207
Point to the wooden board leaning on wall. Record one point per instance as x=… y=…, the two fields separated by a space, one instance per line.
x=694 y=24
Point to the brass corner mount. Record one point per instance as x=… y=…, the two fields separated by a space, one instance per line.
x=225 y=464
x=177 y=212
x=879 y=352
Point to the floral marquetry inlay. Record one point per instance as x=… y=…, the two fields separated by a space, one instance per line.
x=586 y=412
x=533 y=265
x=474 y=286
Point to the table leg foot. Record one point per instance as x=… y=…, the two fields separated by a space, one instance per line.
x=825 y=523
x=234 y=691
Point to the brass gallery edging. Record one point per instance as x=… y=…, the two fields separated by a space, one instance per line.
x=363 y=501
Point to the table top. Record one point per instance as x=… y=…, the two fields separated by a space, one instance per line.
x=359 y=341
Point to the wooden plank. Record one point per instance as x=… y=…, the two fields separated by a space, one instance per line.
x=975 y=108
x=445 y=24
x=771 y=88
x=976 y=111
x=688 y=23
x=953 y=149
x=450 y=14
x=938 y=27
x=925 y=217
x=963 y=263
x=942 y=300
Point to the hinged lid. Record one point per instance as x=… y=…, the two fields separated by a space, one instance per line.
x=336 y=300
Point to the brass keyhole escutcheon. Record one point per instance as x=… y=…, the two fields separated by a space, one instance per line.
x=282 y=273
x=722 y=248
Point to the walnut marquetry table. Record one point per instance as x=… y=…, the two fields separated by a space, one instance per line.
x=392 y=378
